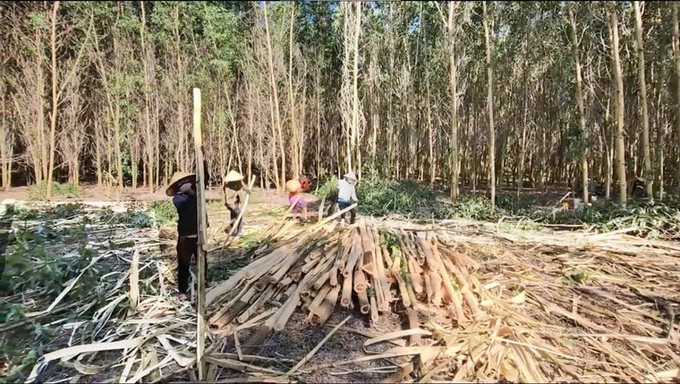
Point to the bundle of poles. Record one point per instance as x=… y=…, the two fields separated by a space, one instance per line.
x=377 y=269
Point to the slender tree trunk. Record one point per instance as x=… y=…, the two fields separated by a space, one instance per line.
x=251 y=123
x=454 y=100
x=133 y=164
x=676 y=54
x=3 y=143
x=158 y=145
x=272 y=83
x=492 y=133
x=355 y=90
x=291 y=96
x=301 y=135
x=433 y=163
x=660 y=131
x=649 y=179
x=523 y=142
x=581 y=106
x=147 y=101
x=10 y=158
x=279 y=185
x=55 y=101
x=620 y=144
x=318 y=122
x=119 y=155
x=98 y=155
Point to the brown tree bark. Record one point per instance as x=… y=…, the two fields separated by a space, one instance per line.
x=147 y=106
x=55 y=101
x=274 y=88
x=291 y=96
x=492 y=133
x=649 y=180
x=454 y=99
x=619 y=138
x=581 y=106
x=676 y=55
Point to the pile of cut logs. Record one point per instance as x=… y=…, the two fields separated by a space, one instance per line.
x=318 y=272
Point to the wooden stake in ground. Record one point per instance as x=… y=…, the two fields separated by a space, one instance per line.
x=200 y=254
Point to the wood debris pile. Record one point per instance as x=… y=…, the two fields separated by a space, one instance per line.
x=352 y=267
x=499 y=307
x=117 y=319
x=474 y=304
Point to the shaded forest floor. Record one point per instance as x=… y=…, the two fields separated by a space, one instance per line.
x=562 y=305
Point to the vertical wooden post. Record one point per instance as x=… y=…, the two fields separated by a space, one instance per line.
x=200 y=199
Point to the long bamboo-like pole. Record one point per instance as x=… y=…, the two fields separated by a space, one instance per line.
x=200 y=252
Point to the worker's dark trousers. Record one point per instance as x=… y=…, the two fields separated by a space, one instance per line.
x=186 y=247
x=352 y=212
x=235 y=210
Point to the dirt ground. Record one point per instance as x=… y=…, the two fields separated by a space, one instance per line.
x=93 y=193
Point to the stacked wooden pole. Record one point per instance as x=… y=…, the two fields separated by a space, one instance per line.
x=361 y=265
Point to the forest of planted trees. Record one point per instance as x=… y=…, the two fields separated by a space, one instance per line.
x=454 y=94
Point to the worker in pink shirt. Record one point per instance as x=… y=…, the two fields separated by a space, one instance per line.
x=295 y=187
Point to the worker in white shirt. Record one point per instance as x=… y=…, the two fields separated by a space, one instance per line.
x=347 y=195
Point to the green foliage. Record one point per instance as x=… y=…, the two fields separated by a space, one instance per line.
x=329 y=190
x=159 y=214
x=164 y=212
x=380 y=197
x=473 y=207
x=657 y=220
x=65 y=190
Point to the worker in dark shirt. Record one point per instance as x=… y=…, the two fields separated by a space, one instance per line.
x=183 y=190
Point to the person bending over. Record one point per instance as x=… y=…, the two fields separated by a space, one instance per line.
x=347 y=195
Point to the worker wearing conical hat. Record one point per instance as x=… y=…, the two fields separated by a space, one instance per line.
x=295 y=187
x=347 y=195
x=182 y=188
x=232 y=184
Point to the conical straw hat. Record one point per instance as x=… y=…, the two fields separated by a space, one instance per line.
x=233 y=176
x=350 y=175
x=293 y=185
x=178 y=179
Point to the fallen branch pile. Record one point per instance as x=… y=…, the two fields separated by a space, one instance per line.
x=479 y=306
x=349 y=268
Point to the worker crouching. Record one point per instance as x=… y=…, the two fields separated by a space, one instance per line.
x=347 y=195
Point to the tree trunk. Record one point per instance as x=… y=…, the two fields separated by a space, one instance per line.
x=430 y=129
x=158 y=145
x=649 y=179
x=147 y=102
x=291 y=96
x=492 y=133
x=523 y=142
x=581 y=106
x=620 y=144
x=355 y=90
x=251 y=123
x=279 y=184
x=660 y=131
x=119 y=155
x=676 y=54
x=272 y=84
x=454 y=99
x=55 y=101
x=10 y=158
x=301 y=135
x=318 y=122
